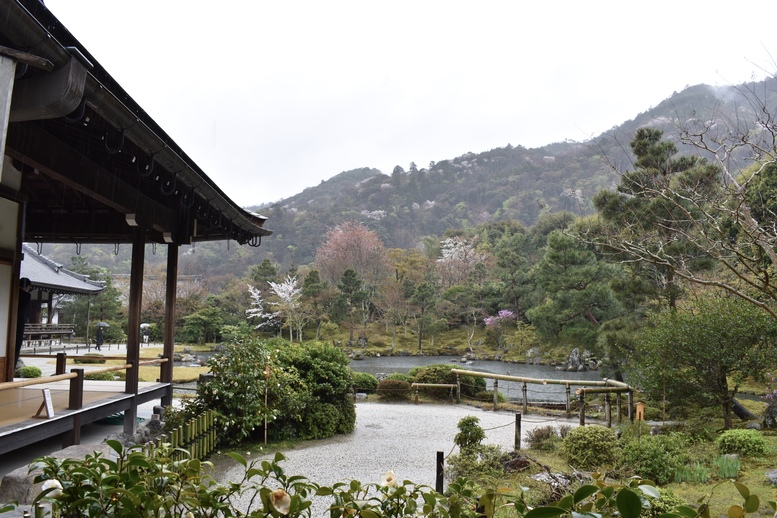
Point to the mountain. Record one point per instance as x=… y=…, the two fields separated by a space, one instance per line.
x=502 y=183
x=508 y=182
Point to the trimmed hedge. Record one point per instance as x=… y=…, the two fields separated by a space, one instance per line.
x=28 y=371
x=365 y=382
x=90 y=358
x=393 y=390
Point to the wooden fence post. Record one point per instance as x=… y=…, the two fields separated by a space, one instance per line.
x=607 y=409
x=496 y=393
x=517 y=431
x=440 y=470
x=568 y=403
x=582 y=408
x=525 y=396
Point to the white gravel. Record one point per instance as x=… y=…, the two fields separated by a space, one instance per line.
x=404 y=438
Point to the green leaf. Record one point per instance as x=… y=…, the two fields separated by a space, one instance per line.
x=545 y=512
x=115 y=446
x=628 y=503
x=743 y=489
x=238 y=458
x=651 y=491
x=584 y=492
x=567 y=502
x=752 y=504
x=684 y=510
x=735 y=511
x=368 y=513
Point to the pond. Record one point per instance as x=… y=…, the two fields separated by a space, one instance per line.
x=511 y=390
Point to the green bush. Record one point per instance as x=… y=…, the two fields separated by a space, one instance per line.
x=28 y=371
x=145 y=481
x=323 y=422
x=306 y=382
x=543 y=438
x=365 y=382
x=393 y=390
x=99 y=376
x=471 y=434
x=440 y=373
x=590 y=447
x=488 y=395
x=400 y=377
x=89 y=358
x=743 y=442
x=655 y=458
x=668 y=502
x=482 y=463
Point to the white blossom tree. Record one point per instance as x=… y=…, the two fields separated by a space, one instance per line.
x=256 y=311
x=289 y=305
x=458 y=258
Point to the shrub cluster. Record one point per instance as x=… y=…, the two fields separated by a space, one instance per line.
x=590 y=447
x=28 y=371
x=364 y=382
x=99 y=376
x=743 y=442
x=308 y=391
x=89 y=358
x=393 y=390
x=440 y=373
x=543 y=438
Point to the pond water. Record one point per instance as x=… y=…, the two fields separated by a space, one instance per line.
x=511 y=390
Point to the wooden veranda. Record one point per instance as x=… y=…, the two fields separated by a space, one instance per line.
x=82 y=162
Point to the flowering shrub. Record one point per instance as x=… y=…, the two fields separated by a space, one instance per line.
x=143 y=481
x=307 y=389
x=498 y=324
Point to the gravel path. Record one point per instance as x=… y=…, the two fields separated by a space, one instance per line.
x=403 y=438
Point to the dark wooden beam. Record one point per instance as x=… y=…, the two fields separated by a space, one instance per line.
x=133 y=326
x=171 y=287
x=72 y=168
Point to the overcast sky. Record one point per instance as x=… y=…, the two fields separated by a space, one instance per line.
x=271 y=97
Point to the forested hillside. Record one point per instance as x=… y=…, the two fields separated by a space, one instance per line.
x=417 y=200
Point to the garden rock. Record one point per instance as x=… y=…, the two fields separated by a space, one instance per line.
x=770 y=415
x=771 y=477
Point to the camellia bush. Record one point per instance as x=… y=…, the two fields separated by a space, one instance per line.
x=144 y=481
x=302 y=390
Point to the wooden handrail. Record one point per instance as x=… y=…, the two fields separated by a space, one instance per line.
x=591 y=383
x=36 y=381
x=156 y=360
x=109 y=369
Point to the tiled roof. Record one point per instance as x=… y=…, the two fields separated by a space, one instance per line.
x=48 y=275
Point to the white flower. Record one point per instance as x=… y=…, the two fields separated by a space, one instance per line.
x=280 y=500
x=189 y=515
x=55 y=486
x=389 y=479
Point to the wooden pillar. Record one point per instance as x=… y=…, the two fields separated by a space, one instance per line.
x=133 y=328
x=618 y=406
x=525 y=395
x=607 y=409
x=169 y=332
x=517 y=444
x=582 y=408
x=496 y=393
x=568 y=403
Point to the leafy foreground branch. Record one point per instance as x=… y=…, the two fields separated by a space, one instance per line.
x=144 y=481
